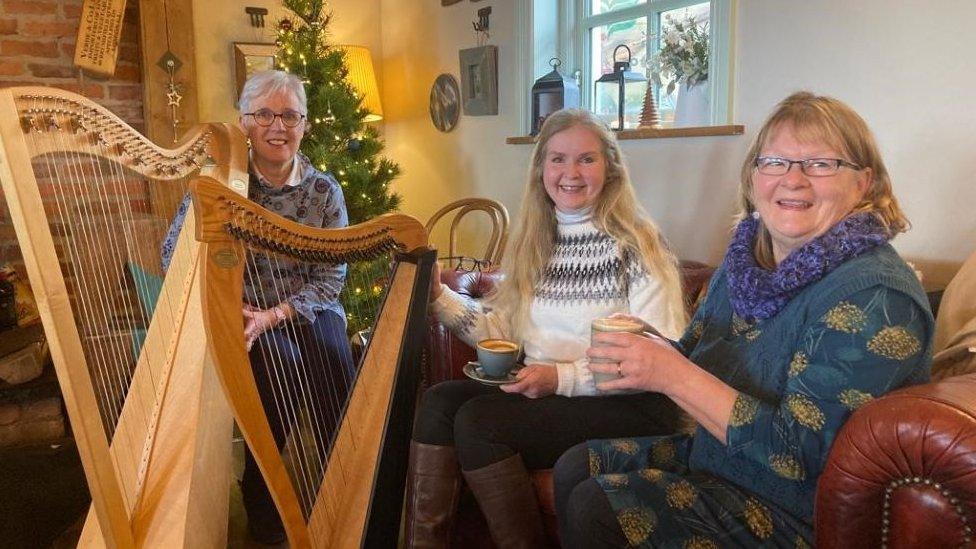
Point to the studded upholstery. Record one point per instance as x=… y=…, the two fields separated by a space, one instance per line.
x=902 y=472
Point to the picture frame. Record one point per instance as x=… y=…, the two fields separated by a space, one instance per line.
x=249 y=58
x=479 y=80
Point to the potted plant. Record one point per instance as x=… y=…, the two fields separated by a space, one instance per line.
x=683 y=60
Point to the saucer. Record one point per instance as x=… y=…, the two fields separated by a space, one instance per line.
x=474 y=371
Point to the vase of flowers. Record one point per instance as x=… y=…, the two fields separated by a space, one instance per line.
x=683 y=62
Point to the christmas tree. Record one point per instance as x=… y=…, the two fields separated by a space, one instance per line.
x=339 y=140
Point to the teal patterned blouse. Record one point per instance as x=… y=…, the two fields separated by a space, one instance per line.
x=863 y=330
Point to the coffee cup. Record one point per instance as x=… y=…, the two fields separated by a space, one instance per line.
x=610 y=325
x=497 y=356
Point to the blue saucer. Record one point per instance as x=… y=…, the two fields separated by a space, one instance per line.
x=474 y=371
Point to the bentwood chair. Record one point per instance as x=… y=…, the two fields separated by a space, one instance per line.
x=498 y=217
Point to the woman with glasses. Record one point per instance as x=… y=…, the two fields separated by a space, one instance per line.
x=811 y=315
x=287 y=306
x=583 y=249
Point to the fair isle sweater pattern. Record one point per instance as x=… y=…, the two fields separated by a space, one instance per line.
x=587 y=267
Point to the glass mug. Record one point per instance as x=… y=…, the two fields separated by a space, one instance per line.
x=610 y=325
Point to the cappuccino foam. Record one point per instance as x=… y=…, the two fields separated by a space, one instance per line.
x=498 y=345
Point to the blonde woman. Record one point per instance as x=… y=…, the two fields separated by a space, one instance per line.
x=582 y=249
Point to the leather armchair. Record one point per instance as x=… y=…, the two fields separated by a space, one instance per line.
x=901 y=473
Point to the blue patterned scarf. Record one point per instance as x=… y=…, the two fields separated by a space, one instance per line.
x=758 y=294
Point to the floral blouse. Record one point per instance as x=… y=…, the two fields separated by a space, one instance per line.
x=317 y=201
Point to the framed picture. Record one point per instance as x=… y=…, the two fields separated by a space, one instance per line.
x=250 y=58
x=479 y=80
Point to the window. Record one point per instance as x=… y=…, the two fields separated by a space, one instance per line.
x=584 y=33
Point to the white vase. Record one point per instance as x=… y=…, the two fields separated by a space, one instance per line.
x=691 y=107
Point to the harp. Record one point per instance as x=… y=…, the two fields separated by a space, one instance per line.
x=343 y=485
x=148 y=418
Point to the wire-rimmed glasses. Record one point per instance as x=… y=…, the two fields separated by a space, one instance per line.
x=468 y=264
x=812 y=167
x=266 y=117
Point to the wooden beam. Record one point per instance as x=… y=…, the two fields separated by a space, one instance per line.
x=159 y=19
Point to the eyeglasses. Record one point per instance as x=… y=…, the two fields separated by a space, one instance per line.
x=468 y=263
x=266 y=117
x=813 y=167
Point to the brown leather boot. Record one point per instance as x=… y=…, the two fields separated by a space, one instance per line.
x=505 y=494
x=433 y=486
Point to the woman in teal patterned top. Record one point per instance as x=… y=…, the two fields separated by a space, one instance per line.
x=811 y=315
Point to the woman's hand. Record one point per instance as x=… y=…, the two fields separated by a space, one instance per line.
x=534 y=381
x=435 y=282
x=256 y=322
x=645 y=363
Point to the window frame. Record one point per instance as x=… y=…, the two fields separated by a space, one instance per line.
x=572 y=41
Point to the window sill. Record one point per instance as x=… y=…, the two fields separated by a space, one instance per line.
x=654 y=133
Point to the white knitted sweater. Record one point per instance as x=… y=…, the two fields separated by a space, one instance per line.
x=587 y=277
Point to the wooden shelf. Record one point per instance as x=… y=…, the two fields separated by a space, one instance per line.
x=655 y=133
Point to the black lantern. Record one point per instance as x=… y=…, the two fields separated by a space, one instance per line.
x=551 y=93
x=616 y=86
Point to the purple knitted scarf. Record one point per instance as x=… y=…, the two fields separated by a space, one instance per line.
x=758 y=294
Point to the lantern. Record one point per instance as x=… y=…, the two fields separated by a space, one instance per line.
x=612 y=88
x=551 y=93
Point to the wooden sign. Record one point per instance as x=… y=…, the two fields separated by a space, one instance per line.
x=97 y=47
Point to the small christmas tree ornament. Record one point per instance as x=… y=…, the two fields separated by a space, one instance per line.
x=650 y=117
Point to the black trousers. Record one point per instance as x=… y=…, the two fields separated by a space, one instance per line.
x=318 y=372
x=585 y=516
x=487 y=425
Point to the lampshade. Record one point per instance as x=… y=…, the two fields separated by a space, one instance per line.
x=362 y=78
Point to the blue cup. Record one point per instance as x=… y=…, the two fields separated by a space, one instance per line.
x=497 y=356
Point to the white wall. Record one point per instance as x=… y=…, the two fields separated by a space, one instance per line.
x=899 y=63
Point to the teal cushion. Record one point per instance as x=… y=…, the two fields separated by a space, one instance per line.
x=148 y=287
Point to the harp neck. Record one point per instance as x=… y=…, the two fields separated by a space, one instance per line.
x=222 y=216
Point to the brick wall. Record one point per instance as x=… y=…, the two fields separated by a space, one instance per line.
x=37 y=47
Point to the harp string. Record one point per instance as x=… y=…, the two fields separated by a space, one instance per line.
x=123 y=210
x=282 y=385
x=306 y=384
x=113 y=352
x=85 y=204
x=323 y=377
x=107 y=406
x=61 y=184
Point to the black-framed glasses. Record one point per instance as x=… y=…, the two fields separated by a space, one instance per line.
x=813 y=167
x=469 y=264
x=266 y=117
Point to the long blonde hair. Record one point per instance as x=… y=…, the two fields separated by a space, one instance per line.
x=616 y=212
x=820 y=119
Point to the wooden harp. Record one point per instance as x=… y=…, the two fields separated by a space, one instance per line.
x=345 y=487
x=148 y=417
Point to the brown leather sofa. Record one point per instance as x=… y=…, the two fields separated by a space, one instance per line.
x=901 y=473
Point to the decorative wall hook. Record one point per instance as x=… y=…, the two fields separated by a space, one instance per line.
x=482 y=24
x=257 y=15
x=481 y=27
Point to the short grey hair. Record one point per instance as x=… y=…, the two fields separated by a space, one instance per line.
x=267 y=82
